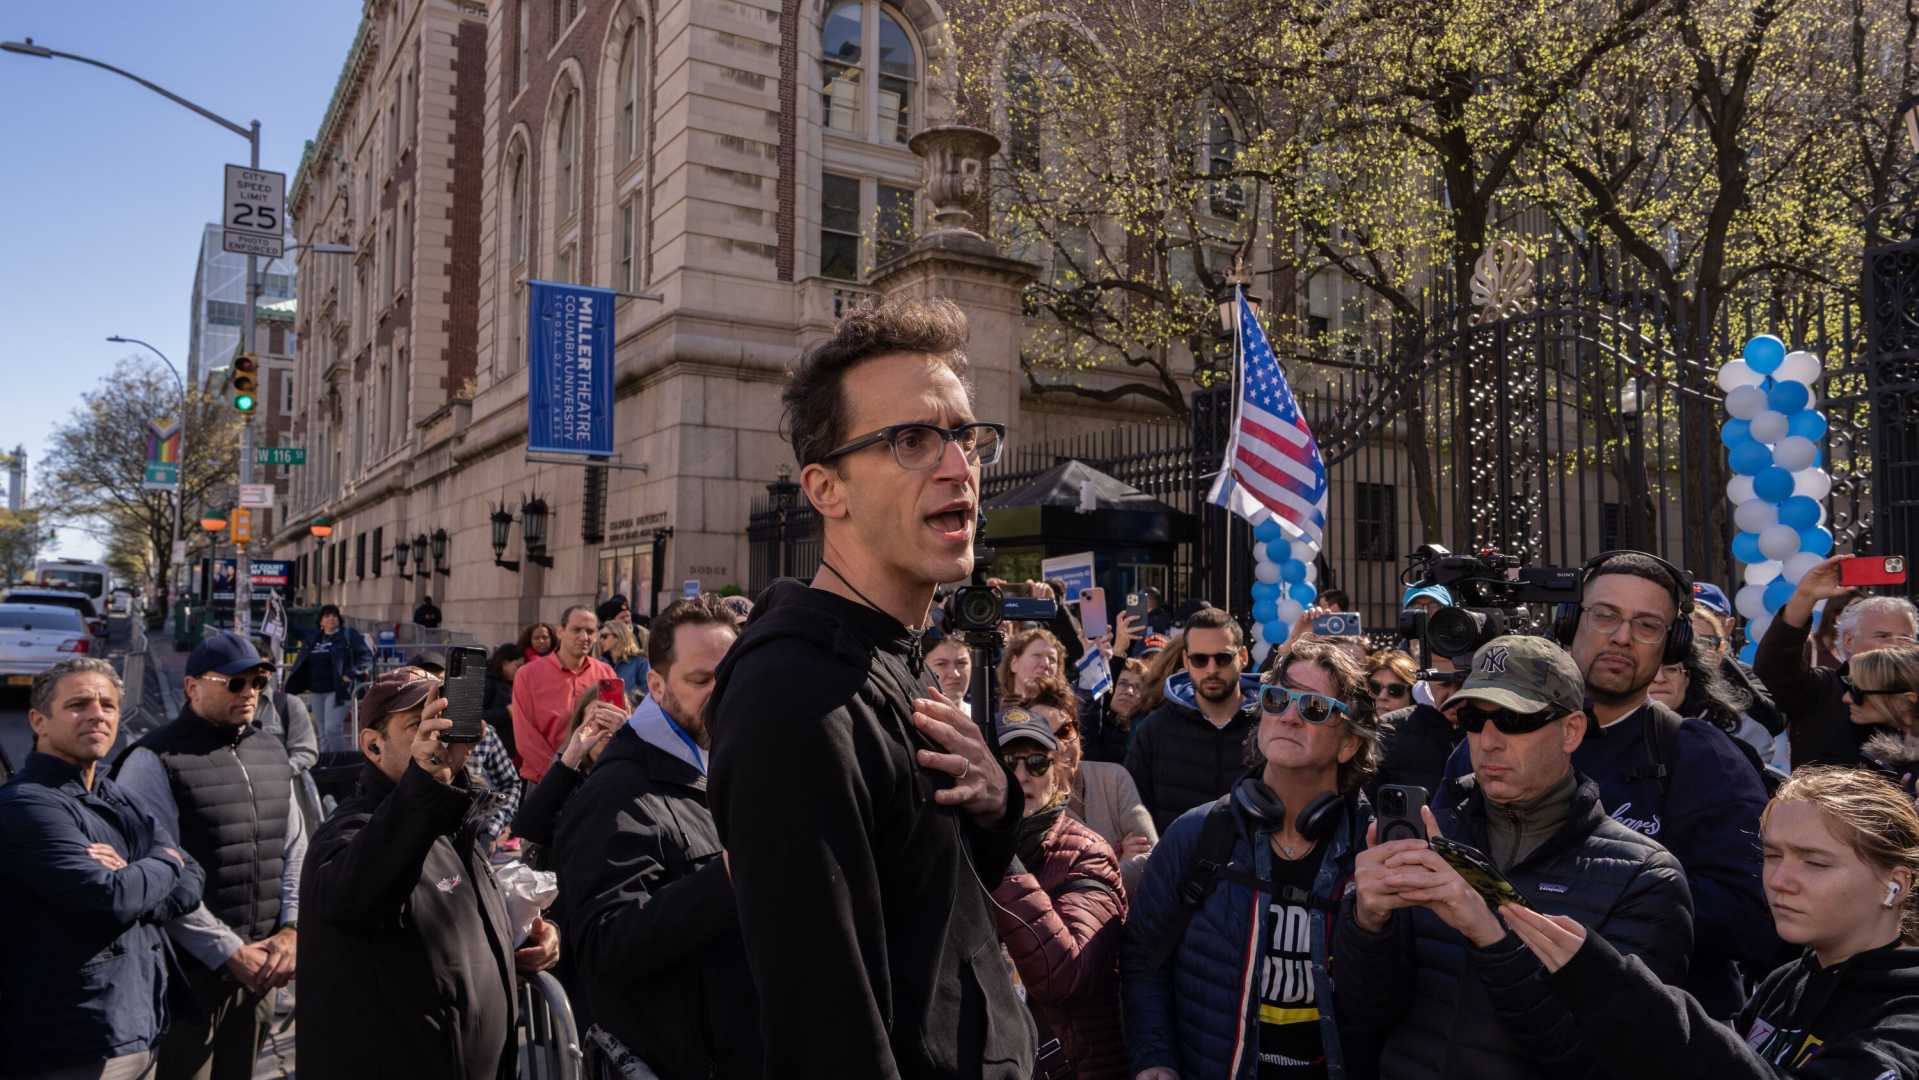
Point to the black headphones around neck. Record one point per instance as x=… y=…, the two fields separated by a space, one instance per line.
x=1315 y=823
x=1678 y=643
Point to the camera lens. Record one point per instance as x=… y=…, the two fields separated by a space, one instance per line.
x=979 y=608
x=1457 y=631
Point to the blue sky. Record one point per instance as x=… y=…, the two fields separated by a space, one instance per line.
x=106 y=186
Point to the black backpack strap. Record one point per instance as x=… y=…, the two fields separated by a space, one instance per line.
x=1211 y=856
x=1661 y=729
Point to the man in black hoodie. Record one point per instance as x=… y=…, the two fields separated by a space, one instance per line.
x=864 y=819
x=644 y=895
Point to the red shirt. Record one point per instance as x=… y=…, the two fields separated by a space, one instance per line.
x=544 y=693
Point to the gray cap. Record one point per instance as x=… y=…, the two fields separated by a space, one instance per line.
x=1524 y=674
x=1017 y=723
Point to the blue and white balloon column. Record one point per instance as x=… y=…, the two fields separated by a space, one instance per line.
x=1283 y=585
x=1779 y=487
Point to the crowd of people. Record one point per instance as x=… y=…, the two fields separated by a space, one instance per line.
x=783 y=846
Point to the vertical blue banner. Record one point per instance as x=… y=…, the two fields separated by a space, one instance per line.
x=569 y=390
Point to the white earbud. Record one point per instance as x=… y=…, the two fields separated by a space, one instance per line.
x=1892 y=893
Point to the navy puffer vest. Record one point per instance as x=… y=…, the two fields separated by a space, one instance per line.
x=234 y=788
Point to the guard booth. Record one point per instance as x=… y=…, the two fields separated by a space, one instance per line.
x=1073 y=507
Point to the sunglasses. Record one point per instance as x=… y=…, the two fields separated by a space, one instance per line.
x=1211 y=659
x=1391 y=689
x=239 y=682
x=1858 y=695
x=1474 y=720
x=1313 y=708
x=1037 y=765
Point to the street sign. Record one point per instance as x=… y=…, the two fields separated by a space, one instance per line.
x=241 y=524
x=163 y=456
x=253 y=217
x=257 y=496
x=280 y=455
x=179 y=552
x=161 y=476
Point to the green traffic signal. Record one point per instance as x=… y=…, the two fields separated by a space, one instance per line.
x=245 y=377
x=243 y=402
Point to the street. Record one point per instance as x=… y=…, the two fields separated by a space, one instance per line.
x=16 y=736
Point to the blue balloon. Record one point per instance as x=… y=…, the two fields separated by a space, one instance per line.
x=1265 y=611
x=1764 y=353
x=1745 y=548
x=1292 y=571
x=1778 y=591
x=1799 y=511
x=1807 y=423
x=1276 y=631
x=1788 y=397
x=1816 y=540
x=1265 y=590
x=1750 y=458
x=1303 y=592
x=1279 y=550
x=1735 y=431
x=1268 y=531
x=1749 y=652
x=1773 y=484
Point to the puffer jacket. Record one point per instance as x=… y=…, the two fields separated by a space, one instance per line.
x=1419 y=740
x=1179 y=760
x=1199 y=1015
x=1062 y=922
x=1441 y=1007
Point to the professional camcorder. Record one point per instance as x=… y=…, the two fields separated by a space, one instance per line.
x=1493 y=594
x=984 y=607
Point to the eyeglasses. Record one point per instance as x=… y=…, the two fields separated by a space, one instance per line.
x=239 y=682
x=1313 y=708
x=1474 y=720
x=1858 y=694
x=1672 y=671
x=920 y=446
x=1646 y=629
x=1713 y=641
x=1036 y=764
x=1211 y=659
x=1391 y=689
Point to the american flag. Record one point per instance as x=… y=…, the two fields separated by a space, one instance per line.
x=1272 y=466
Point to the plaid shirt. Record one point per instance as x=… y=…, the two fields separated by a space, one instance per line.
x=491 y=764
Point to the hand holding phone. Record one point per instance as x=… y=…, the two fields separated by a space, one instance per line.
x=465 y=692
x=1863 y=570
x=1092 y=613
x=613 y=691
x=1399 y=806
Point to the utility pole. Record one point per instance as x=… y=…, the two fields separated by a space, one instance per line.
x=242 y=567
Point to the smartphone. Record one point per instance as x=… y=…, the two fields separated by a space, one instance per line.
x=613 y=690
x=1399 y=812
x=1479 y=872
x=1338 y=624
x=1092 y=613
x=1873 y=570
x=465 y=692
x=1136 y=606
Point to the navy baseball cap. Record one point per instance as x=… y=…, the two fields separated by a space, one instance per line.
x=225 y=653
x=1711 y=597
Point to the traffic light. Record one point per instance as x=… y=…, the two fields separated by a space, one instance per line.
x=245 y=382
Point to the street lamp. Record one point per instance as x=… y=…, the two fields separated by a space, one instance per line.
x=439 y=553
x=502 y=521
x=419 y=555
x=175 y=560
x=400 y=552
x=1229 y=298
x=533 y=531
x=1631 y=403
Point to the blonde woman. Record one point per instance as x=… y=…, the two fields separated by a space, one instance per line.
x=623 y=652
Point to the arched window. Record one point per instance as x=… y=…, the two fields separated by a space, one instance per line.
x=569 y=155
x=632 y=95
x=516 y=223
x=1225 y=198
x=516 y=274
x=864 y=100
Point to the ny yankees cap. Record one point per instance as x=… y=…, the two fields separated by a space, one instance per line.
x=1523 y=674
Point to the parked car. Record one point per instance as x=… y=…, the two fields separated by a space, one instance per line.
x=34 y=637
x=67 y=598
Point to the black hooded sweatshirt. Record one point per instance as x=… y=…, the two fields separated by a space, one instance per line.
x=863 y=903
x=1855 y=1020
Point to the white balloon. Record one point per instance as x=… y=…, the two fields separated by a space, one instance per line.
x=1266 y=570
x=1260 y=649
x=1312 y=573
x=1798 y=367
x=1756 y=628
x=1290 y=609
x=1259 y=633
x=1755 y=515
x=1796 y=566
x=1794 y=452
x=1769 y=426
x=1760 y=573
x=1812 y=483
x=1779 y=541
x=1750 y=601
x=1304 y=551
x=1736 y=374
x=1746 y=402
x=1739 y=490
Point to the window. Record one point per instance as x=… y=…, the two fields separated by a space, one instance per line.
x=286 y=393
x=563 y=266
x=1375 y=522
x=521 y=46
x=386 y=266
x=379 y=548
x=359 y=556
x=402 y=397
x=851 y=32
x=898 y=72
x=840 y=67
x=893 y=230
x=840 y=227
x=628 y=241
x=516 y=224
x=392 y=138
x=632 y=97
x=225 y=313
x=1227 y=198
x=410 y=112
x=567 y=197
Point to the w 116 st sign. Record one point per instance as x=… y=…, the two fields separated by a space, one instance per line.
x=253 y=218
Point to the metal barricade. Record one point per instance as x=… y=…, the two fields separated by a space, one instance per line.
x=549 y=1040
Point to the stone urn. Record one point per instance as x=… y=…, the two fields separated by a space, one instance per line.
x=956 y=160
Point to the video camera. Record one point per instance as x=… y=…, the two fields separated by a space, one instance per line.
x=975 y=615
x=1491 y=593
x=981 y=607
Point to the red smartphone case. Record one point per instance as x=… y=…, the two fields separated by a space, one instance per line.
x=1873 y=570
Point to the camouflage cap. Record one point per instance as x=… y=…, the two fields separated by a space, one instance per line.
x=1524 y=674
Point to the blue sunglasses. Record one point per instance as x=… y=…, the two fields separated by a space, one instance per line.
x=1313 y=708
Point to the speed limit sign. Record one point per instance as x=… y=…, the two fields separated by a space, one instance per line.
x=254 y=215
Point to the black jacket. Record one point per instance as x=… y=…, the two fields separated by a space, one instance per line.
x=83 y=976
x=1419 y=740
x=406 y=958
x=863 y=902
x=539 y=813
x=1179 y=760
x=1444 y=1008
x=649 y=917
x=1817 y=719
x=1856 y=1019
x=495 y=706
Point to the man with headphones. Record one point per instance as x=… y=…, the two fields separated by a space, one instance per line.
x=1681 y=782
